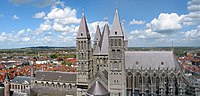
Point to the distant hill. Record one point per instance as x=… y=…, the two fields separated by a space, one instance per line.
x=47 y=47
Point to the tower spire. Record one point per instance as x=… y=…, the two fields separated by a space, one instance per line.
x=83 y=11
x=116 y=29
x=116 y=6
x=83 y=31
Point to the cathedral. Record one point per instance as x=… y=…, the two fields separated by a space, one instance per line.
x=109 y=69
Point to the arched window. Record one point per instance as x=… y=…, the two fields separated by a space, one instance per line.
x=129 y=80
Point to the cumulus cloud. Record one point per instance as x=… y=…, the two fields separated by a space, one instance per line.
x=39 y=15
x=193 y=5
x=145 y=34
x=166 y=23
x=25 y=39
x=45 y=26
x=64 y=16
x=193 y=34
x=135 y=22
x=15 y=17
x=193 y=17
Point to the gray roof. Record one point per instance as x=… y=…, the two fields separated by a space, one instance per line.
x=104 y=40
x=83 y=31
x=50 y=91
x=98 y=90
x=68 y=77
x=19 y=94
x=116 y=27
x=21 y=80
x=150 y=59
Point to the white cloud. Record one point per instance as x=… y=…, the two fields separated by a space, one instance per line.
x=21 y=32
x=144 y=34
x=25 y=39
x=39 y=15
x=166 y=23
x=45 y=26
x=193 y=5
x=64 y=16
x=15 y=17
x=135 y=22
x=47 y=39
x=193 y=17
x=193 y=34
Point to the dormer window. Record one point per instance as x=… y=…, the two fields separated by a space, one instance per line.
x=81 y=34
x=115 y=32
x=162 y=63
x=137 y=63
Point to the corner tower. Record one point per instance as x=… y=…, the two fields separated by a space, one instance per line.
x=116 y=75
x=83 y=57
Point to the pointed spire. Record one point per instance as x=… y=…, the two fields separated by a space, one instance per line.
x=83 y=11
x=97 y=34
x=97 y=40
x=116 y=29
x=123 y=29
x=104 y=39
x=83 y=31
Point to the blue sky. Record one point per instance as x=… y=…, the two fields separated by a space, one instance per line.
x=148 y=23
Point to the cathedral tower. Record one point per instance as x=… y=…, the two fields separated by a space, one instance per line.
x=83 y=56
x=116 y=75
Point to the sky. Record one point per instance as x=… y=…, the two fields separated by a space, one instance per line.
x=147 y=23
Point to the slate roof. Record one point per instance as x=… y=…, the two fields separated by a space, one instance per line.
x=65 y=77
x=116 y=27
x=97 y=90
x=50 y=91
x=21 y=80
x=19 y=94
x=97 y=34
x=83 y=31
x=104 y=40
x=150 y=59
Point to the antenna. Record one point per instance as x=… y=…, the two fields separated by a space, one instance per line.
x=116 y=5
x=82 y=8
x=106 y=18
x=172 y=45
